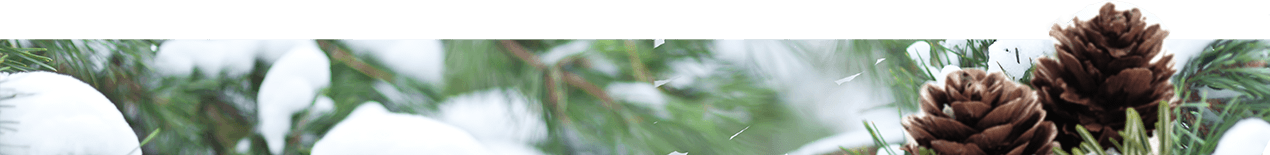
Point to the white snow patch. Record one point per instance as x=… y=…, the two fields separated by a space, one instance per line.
x=943 y=73
x=1184 y=50
x=1017 y=56
x=291 y=85
x=920 y=52
x=1248 y=136
x=686 y=72
x=558 y=53
x=602 y=64
x=496 y=116
x=243 y=146
x=954 y=43
x=179 y=57
x=323 y=105
x=422 y=60
x=58 y=114
x=371 y=129
x=658 y=42
x=889 y=128
x=642 y=94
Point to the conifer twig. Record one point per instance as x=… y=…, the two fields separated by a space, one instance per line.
x=347 y=58
x=641 y=73
x=569 y=78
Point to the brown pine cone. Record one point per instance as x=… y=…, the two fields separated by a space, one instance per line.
x=1103 y=67
x=979 y=113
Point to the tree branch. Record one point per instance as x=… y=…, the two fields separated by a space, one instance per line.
x=347 y=58
x=571 y=79
x=641 y=72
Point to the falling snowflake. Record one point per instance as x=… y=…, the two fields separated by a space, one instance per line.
x=848 y=79
x=658 y=42
x=734 y=135
x=658 y=83
x=677 y=153
x=879 y=61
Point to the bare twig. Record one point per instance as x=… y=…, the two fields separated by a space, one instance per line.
x=554 y=98
x=569 y=78
x=641 y=73
x=519 y=52
x=346 y=58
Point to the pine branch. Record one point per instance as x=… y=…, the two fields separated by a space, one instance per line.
x=569 y=78
x=343 y=56
x=641 y=72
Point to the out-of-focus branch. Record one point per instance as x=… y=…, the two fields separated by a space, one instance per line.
x=641 y=73
x=347 y=58
x=569 y=78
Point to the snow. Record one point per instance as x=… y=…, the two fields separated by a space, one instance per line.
x=494 y=116
x=689 y=71
x=422 y=60
x=943 y=73
x=50 y=113
x=1248 y=136
x=738 y=133
x=848 y=78
x=659 y=83
x=806 y=90
x=602 y=64
x=658 y=42
x=291 y=85
x=323 y=105
x=235 y=57
x=920 y=52
x=558 y=53
x=642 y=94
x=953 y=43
x=888 y=123
x=371 y=129
x=1185 y=49
x=1003 y=54
x=678 y=153
x=243 y=146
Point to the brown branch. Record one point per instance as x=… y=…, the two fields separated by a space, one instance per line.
x=519 y=52
x=641 y=73
x=570 y=78
x=347 y=58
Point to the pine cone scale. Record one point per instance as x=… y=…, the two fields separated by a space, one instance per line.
x=970 y=111
x=954 y=148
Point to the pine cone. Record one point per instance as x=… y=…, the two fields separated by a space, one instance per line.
x=979 y=113
x=1102 y=68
